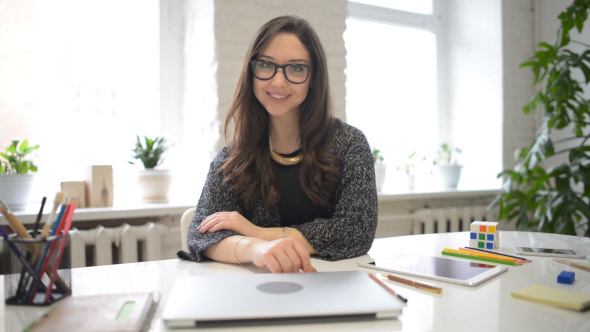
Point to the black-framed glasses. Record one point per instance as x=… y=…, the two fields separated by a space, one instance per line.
x=294 y=72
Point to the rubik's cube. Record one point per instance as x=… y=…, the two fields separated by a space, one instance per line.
x=484 y=235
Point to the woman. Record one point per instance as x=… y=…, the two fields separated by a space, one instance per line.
x=293 y=181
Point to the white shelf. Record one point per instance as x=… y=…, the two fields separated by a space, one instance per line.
x=137 y=210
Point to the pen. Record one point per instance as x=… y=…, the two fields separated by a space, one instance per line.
x=497 y=253
x=485 y=254
x=479 y=258
x=13 y=221
x=387 y=288
x=423 y=286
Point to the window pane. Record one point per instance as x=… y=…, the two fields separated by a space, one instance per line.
x=96 y=82
x=414 y=6
x=391 y=87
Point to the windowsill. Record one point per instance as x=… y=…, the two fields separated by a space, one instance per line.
x=123 y=211
x=391 y=196
x=140 y=210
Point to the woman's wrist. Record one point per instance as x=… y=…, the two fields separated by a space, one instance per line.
x=272 y=233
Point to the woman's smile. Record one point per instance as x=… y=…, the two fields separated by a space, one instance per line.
x=278 y=97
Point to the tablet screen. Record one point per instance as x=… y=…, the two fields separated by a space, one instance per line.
x=433 y=266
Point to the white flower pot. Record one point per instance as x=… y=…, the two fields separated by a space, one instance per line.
x=410 y=180
x=380 y=176
x=154 y=185
x=449 y=175
x=15 y=190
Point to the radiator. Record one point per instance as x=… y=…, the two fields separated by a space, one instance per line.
x=123 y=244
x=450 y=219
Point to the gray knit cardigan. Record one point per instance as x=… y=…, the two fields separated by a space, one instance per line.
x=348 y=233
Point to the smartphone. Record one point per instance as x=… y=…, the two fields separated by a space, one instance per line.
x=551 y=252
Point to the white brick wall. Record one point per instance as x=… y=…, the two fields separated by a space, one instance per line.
x=518 y=45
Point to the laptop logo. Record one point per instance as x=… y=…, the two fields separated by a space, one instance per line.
x=279 y=287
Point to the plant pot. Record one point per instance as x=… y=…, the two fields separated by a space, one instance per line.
x=154 y=185
x=380 y=176
x=15 y=190
x=410 y=180
x=449 y=175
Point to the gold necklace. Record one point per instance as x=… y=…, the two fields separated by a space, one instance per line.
x=285 y=161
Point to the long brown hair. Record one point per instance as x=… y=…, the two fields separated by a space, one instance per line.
x=248 y=168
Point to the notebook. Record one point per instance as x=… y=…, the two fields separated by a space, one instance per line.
x=200 y=301
x=124 y=312
x=555 y=297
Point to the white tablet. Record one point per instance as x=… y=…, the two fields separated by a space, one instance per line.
x=455 y=271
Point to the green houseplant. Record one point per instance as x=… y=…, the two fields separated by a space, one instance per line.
x=16 y=173
x=541 y=192
x=408 y=168
x=447 y=163
x=14 y=158
x=149 y=151
x=154 y=183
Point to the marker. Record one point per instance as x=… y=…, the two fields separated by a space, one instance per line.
x=387 y=288
x=419 y=285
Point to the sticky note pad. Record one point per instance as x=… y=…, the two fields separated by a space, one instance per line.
x=555 y=297
x=566 y=277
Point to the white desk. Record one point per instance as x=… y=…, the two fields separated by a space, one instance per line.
x=488 y=307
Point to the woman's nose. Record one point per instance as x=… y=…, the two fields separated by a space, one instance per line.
x=279 y=78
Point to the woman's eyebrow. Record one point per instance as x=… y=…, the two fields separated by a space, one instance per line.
x=272 y=58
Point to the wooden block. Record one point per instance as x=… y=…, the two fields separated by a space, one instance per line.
x=99 y=185
x=75 y=189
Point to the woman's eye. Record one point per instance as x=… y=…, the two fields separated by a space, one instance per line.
x=266 y=64
x=297 y=68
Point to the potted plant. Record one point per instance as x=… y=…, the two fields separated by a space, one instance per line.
x=546 y=191
x=380 y=169
x=408 y=168
x=447 y=163
x=16 y=178
x=154 y=183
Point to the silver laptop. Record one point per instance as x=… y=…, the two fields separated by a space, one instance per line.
x=201 y=301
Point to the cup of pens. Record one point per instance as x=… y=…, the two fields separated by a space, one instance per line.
x=36 y=271
x=36 y=264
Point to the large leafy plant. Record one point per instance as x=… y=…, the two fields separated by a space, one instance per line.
x=555 y=198
x=14 y=159
x=149 y=151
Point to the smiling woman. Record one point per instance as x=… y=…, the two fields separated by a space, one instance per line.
x=309 y=192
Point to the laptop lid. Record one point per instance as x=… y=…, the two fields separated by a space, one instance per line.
x=239 y=298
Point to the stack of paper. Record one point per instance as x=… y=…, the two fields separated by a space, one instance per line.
x=555 y=297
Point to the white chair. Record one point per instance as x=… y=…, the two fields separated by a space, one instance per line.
x=185 y=221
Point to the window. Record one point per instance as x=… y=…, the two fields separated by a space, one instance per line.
x=420 y=74
x=95 y=72
x=392 y=76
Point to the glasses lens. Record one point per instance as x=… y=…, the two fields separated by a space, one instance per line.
x=296 y=73
x=263 y=69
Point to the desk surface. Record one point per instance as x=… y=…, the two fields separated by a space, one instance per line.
x=488 y=307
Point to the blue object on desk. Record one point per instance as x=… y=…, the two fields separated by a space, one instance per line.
x=566 y=277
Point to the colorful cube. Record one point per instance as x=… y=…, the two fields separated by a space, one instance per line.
x=484 y=235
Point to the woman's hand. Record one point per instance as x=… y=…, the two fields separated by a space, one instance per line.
x=285 y=255
x=232 y=221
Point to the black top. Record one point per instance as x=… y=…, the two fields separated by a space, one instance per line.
x=295 y=208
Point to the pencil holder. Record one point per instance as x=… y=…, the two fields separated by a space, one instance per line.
x=36 y=272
